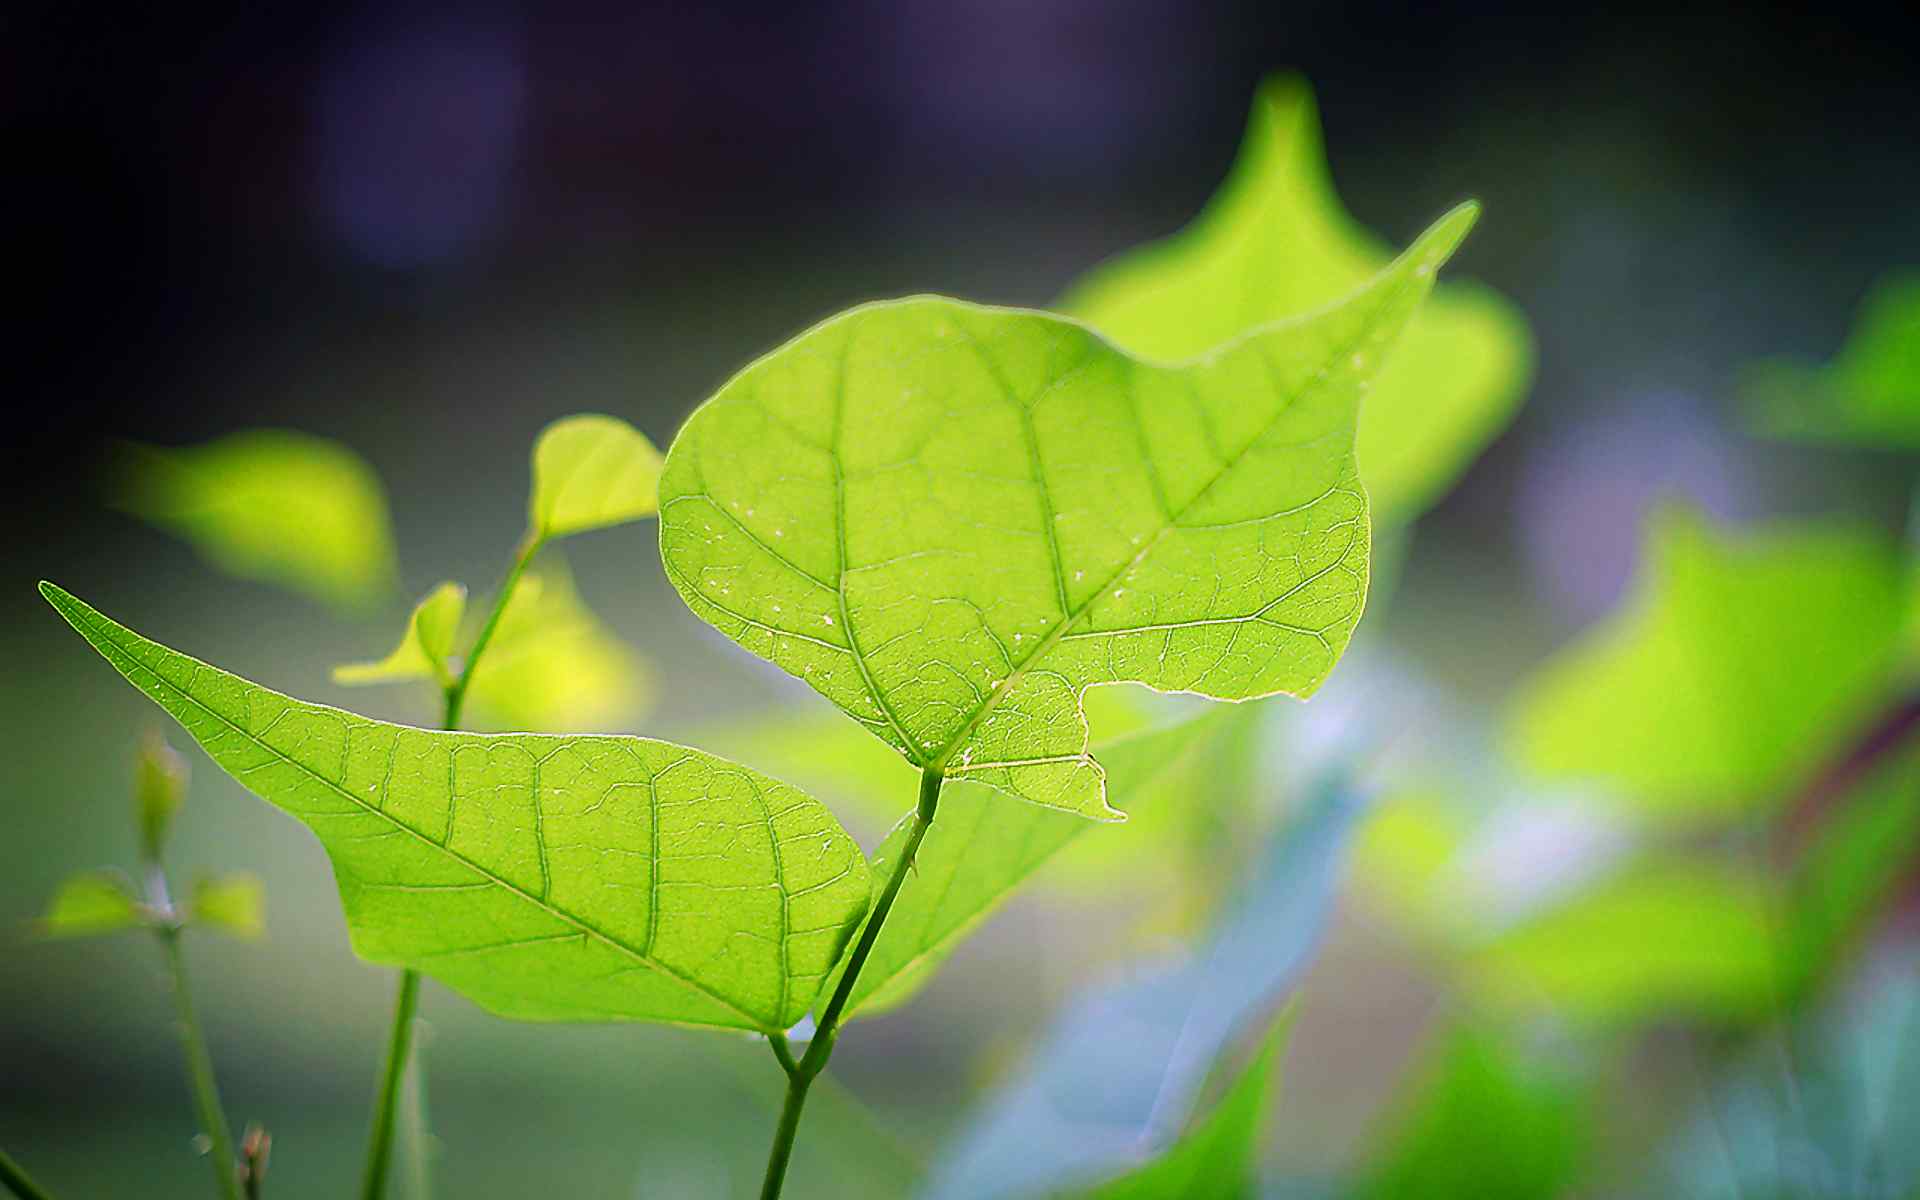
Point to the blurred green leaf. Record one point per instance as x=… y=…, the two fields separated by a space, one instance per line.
x=1218 y=1156
x=94 y=903
x=1738 y=663
x=235 y=903
x=272 y=505
x=1868 y=395
x=951 y=520
x=1403 y=855
x=545 y=878
x=1477 y=1123
x=1276 y=243
x=424 y=649
x=159 y=789
x=590 y=472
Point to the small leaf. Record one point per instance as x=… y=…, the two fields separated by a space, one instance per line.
x=1275 y=242
x=159 y=788
x=234 y=904
x=271 y=505
x=432 y=631
x=951 y=520
x=1737 y=664
x=545 y=878
x=590 y=472
x=95 y=903
x=1868 y=395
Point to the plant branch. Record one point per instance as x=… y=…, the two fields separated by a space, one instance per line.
x=15 y=1177
x=457 y=693
x=206 y=1093
x=800 y=1075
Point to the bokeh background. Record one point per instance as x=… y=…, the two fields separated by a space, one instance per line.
x=427 y=232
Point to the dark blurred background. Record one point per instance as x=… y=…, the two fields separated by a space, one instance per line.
x=426 y=231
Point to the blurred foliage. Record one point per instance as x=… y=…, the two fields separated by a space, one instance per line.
x=433 y=629
x=590 y=472
x=89 y=904
x=271 y=505
x=1868 y=395
x=1276 y=243
x=234 y=903
x=1740 y=663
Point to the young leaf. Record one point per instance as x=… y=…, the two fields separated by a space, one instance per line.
x=234 y=904
x=272 y=505
x=546 y=878
x=589 y=472
x=1275 y=242
x=951 y=520
x=159 y=788
x=432 y=630
x=1868 y=395
x=1737 y=664
x=94 y=903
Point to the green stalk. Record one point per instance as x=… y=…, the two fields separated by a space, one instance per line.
x=380 y=1139
x=15 y=1177
x=206 y=1093
x=800 y=1075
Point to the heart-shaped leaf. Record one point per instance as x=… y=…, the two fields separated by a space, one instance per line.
x=951 y=520
x=590 y=472
x=546 y=878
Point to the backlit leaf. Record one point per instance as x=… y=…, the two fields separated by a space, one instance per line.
x=1868 y=395
x=589 y=472
x=546 y=878
x=94 y=903
x=1275 y=242
x=235 y=904
x=432 y=631
x=951 y=520
x=272 y=505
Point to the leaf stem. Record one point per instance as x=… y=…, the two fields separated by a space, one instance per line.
x=800 y=1075
x=15 y=1177
x=206 y=1092
x=457 y=693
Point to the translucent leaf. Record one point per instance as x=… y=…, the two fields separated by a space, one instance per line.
x=1868 y=395
x=1275 y=242
x=951 y=520
x=94 y=903
x=159 y=789
x=590 y=472
x=1736 y=665
x=235 y=904
x=546 y=878
x=433 y=630
x=272 y=505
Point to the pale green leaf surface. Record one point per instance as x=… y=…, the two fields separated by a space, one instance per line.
x=90 y=904
x=983 y=845
x=590 y=472
x=1868 y=395
x=1275 y=242
x=432 y=630
x=159 y=789
x=1736 y=664
x=272 y=505
x=545 y=878
x=234 y=903
x=951 y=520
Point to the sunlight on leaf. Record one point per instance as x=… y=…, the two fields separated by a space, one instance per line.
x=951 y=520
x=545 y=878
x=90 y=904
x=1276 y=242
x=423 y=652
x=271 y=505
x=1868 y=395
x=1738 y=663
x=235 y=904
x=590 y=472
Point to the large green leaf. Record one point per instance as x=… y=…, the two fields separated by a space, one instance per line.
x=951 y=520
x=1275 y=242
x=546 y=878
x=1737 y=665
x=1868 y=395
x=273 y=505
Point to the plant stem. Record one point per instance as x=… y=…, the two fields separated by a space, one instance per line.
x=457 y=694
x=206 y=1093
x=801 y=1075
x=15 y=1177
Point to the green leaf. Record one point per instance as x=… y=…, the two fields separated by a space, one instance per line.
x=983 y=846
x=94 y=903
x=1737 y=664
x=951 y=520
x=590 y=472
x=1868 y=395
x=1218 y=1156
x=545 y=878
x=272 y=505
x=235 y=904
x=432 y=632
x=1275 y=242
x=159 y=789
